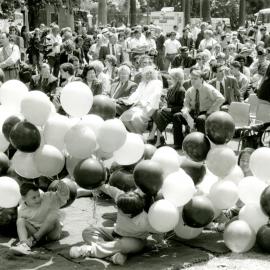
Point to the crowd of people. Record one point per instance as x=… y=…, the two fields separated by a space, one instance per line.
x=154 y=77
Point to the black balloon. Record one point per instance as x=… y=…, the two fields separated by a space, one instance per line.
x=196 y=145
x=148 y=176
x=220 y=127
x=198 y=212
x=195 y=170
x=4 y=164
x=89 y=173
x=25 y=137
x=123 y=180
x=72 y=190
x=103 y=106
x=9 y=124
x=263 y=238
x=265 y=201
x=149 y=151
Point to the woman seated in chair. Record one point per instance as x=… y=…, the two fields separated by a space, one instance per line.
x=143 y=102
x=175 y=99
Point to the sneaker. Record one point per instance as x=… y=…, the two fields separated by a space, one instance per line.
x=82 y=251
x=118 y=258
x=21 y=249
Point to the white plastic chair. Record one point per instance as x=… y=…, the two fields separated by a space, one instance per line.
x=263 y=112
x=253 y=101
x=240 y=113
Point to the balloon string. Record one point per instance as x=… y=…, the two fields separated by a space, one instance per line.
x=94 y=207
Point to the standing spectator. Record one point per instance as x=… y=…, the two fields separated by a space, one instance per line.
x=9 y=57
x=55 y=41
x=186 y=40
x=208 y=40
x=94 y=50
x=160 y=39
x=259 y=62
x=113 y=49
x=200 y=36
x=87 y=43
x=265 y=36
x=33 y=50
x=151 y=44
x=123 y=43
x=171 y=49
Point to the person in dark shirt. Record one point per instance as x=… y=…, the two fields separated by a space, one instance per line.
x=183 y=59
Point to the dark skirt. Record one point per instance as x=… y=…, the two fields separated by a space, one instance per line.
x=162 y=118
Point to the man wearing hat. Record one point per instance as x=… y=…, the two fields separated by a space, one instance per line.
x=171 y=49
x=265 y=37
x=246 y=52
x=183 y=59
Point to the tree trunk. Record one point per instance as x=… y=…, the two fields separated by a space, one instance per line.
x=133 y=18
x=242 y=12
x=102 y=12
x=187 y=8
x=205 y=4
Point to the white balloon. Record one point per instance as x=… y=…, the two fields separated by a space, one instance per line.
x=235 y=176
x=163 y=216
x=80 y=141
x=221 y=160
x=12 y=93
x=185 y=232
x=259 y=163
x=9 y=192
x=4 y=143
x=223 y=194
x=55 y=130
x=36 y=107
x=76 y=98
x=24 y=165
x=168 y=159
x=131 y=151
x=92 y=121
x=208 y=181
x=250 y=189
x=178 y=188
x=253 y=215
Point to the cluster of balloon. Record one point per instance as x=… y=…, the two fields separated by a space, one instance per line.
x=72 y=189
x=89 y=173
x=123 y=180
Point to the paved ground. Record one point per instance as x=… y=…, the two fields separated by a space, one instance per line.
x=206 y=252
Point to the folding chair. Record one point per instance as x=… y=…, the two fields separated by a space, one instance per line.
x=240 y=114
x=253 y=101
x=263 y=112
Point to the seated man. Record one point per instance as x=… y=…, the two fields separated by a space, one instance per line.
x=122 y=89
x=201 y=100
x=183 y=60
x=227 y=85
x=44 y=81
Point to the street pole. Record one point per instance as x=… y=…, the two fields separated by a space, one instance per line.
x=242 y=12
x=148 y=15
x=102 y=12
x=133 y=12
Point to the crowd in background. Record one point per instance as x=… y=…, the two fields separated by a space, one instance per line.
x=154 y=77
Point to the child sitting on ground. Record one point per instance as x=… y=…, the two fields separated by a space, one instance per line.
x=126 y=237
x=39 y=216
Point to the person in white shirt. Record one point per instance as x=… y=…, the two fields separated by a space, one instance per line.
x=171 y=49
x=9 y=57
x=137 y=44
x=55 y=40
x=208 y=40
